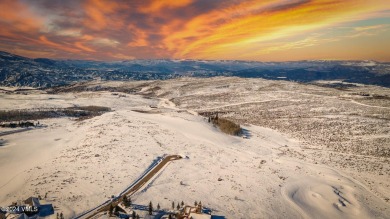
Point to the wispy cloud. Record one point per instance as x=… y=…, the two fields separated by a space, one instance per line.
x=372 y=27
x=158 y=5
x=217 y=29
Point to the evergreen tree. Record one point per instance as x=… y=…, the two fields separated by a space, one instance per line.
x=125 y=201
x=178 y=206
x=58 y=215
x=61 y=216
x=182 y=203
x=150 y=208
x=158 y=206
x=196 y=203
x=110 y=210
x=116 y=210
x=173 y=205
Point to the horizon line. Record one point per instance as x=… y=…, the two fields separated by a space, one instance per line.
x=176 y=59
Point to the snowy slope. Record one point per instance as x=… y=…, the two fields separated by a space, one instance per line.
x=81 y=164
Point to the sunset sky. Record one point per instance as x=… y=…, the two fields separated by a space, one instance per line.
x=276 y=30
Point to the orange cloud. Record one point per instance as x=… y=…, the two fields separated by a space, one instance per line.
x=229 y=29
x=87 y=37
x=158 y=5
x=83 y=47
x=43 y=40
x=105 y=42
x=185 y=34
x=139 y=37
x=219 y=34
x=16 y=17
x=98 y=12
x=138 y=42
x=121 y=56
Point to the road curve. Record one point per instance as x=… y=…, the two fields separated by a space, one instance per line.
x=142 y=180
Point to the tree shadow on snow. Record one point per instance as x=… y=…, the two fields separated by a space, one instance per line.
x=245 y=133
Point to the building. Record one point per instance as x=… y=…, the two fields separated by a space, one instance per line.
x=33 y=201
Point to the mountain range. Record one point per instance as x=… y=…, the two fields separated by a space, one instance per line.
x=44 y=72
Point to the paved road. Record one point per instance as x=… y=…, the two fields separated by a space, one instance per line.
x=145 y=177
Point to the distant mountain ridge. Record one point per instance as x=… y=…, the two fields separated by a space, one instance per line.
x=43 y=72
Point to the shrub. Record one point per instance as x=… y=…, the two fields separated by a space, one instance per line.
x=227 y=126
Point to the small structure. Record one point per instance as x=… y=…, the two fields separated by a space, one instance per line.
x=33 y=201
x=30 y=208
x=196 y=212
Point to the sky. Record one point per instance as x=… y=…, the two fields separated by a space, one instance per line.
x=268 y=30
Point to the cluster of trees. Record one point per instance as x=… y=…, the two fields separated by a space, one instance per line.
x=127 y=203
x=134 y=215
x=60 y=216
x=225 y=125
x=18 y=124
x=178 y=206
x=79 y=112
x=150 y=209
x=198 y=206
x=115 y=211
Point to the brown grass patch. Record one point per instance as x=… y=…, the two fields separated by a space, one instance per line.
x=227 y=126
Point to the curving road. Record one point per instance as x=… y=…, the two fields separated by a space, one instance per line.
x=138 y=184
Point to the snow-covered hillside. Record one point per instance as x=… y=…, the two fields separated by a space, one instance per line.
x=270 y=174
